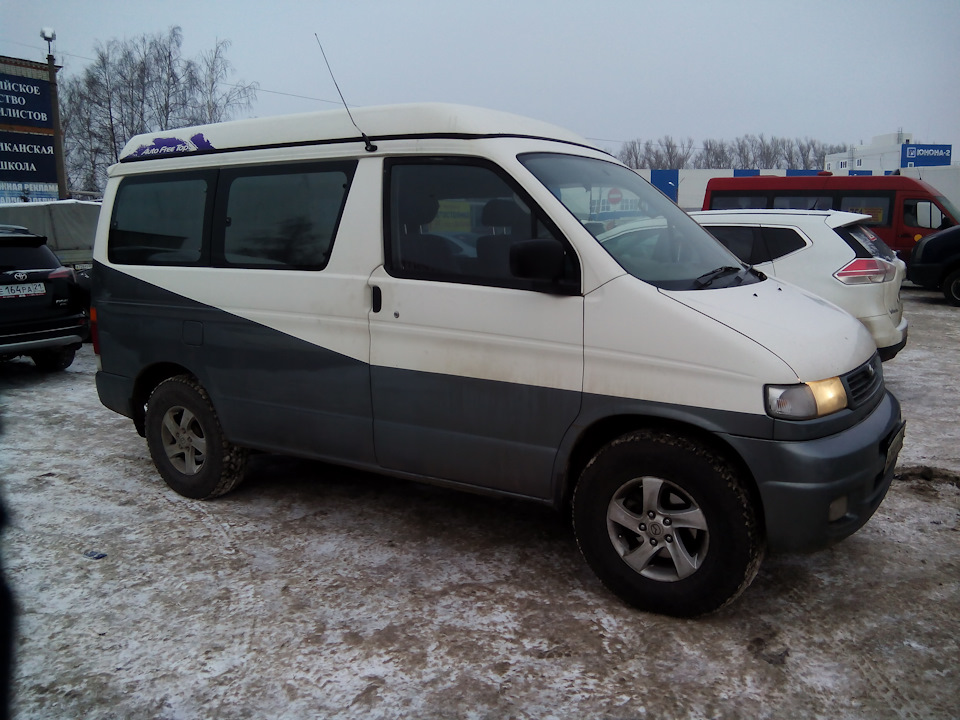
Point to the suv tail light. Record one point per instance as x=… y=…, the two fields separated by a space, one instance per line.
x=862 y=271
x=63 y=272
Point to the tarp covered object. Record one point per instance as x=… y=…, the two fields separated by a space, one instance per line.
x=68 y=225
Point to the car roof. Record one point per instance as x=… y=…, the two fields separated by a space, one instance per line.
x=831 y=218
x=388 y=122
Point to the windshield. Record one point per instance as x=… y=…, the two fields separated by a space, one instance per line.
x=643 y=230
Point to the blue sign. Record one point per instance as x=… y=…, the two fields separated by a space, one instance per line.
x=666 y=181
x=25 y=102
x=925 y=155
x=27 y=157
x=28 y=168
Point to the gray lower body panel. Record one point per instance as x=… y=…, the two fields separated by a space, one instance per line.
x=798 y=481
x=277 y=393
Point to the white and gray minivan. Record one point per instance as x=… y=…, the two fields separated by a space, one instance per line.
x=484 y=301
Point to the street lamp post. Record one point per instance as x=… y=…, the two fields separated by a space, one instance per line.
x=49 y=34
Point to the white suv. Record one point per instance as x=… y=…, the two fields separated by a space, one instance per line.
x=828 y=253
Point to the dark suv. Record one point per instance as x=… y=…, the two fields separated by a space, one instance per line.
x=42 y=308
x=935 y=263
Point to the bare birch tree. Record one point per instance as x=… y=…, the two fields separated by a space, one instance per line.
x=217 y=98
x=141 y=85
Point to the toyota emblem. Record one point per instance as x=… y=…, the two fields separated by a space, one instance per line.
x=21 y=276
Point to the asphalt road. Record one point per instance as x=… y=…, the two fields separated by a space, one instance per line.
x=315 y=592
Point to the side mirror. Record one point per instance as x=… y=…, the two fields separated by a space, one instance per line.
x=542 y=261
x=537 y=259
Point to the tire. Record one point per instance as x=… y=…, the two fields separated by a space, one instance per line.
x=186 y=441
x=951 y=288
x=54 y=360
x=667 y=525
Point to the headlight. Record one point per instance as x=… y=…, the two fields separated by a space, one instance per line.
x=806 y=400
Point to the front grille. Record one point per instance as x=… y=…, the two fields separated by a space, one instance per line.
x=864 y=383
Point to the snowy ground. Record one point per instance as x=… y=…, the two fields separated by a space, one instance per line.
x=314 y=592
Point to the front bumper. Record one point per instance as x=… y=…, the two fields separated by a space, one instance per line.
x=889 y=352
x=804 y=485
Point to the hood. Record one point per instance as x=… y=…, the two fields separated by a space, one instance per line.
x=814 y=337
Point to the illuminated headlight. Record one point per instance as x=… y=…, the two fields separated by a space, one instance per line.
x=806 y=400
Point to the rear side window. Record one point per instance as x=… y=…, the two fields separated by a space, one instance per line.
x=781 y=241
x=161 y=219
x=738 y=240
x=803 y=202
x=755 y=245
x=877 y=207
x=738 y=202
x=280 y=218
x=277 y=217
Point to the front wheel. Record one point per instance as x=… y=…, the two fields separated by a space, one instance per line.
x=951 y=288
x=667 y=524
x=186 y=442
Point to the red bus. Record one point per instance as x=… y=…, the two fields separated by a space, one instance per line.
x=902 y=210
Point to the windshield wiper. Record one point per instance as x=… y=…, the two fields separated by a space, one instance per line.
x=707 y=278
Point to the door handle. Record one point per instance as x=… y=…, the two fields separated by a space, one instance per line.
x=377 y=299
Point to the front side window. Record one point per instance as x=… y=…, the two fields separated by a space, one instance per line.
x=281 y=218
x=456 y=220
x=643 y=230
x=924 y=214
x=160 y=219
x=947 y=209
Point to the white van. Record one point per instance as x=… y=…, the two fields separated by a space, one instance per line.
x=480 y=300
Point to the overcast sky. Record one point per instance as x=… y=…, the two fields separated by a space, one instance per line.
x=839 y=71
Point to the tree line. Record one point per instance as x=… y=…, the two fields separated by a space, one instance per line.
x=144 y=84
x=744 y=153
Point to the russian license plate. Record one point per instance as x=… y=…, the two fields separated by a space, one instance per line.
x=22 y=290
x=894 y=447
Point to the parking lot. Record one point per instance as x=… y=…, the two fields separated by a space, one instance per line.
x=314 y=591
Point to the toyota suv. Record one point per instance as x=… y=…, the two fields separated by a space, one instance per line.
x=42 y=308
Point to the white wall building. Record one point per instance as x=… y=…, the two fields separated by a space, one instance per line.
x=887 y=153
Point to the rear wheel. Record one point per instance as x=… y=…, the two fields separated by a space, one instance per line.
x=666 y=524
x=186 y=442
x=951 y=288
x=54 y=360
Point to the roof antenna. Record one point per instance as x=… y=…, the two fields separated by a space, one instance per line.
x=368 y=146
